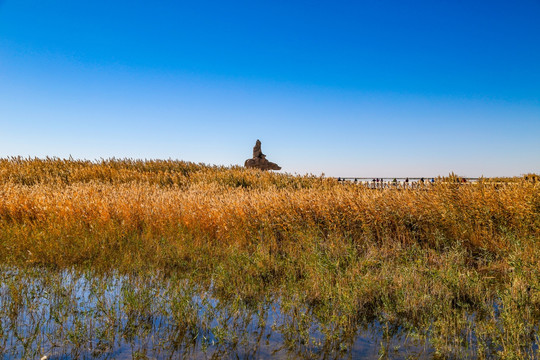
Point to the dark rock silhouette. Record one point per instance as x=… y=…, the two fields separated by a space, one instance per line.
x=257 y=152
x=259 y=160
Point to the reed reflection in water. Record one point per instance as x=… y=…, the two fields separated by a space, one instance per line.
x=73 y=314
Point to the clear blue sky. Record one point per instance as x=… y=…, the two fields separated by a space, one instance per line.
x=345 y=88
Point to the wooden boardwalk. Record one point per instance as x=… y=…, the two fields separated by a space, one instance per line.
x=401 y=183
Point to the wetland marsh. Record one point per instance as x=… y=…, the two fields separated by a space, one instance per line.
x=163 y=259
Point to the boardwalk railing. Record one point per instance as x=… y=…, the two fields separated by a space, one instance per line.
x=402 y=183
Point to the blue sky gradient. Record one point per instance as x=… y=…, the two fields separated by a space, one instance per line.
x=345 y=88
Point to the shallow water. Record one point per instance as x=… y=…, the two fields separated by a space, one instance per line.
x=70 y=314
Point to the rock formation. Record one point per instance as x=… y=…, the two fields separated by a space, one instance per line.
x=259 y=160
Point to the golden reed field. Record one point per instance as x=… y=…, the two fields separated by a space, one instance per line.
x=60 y=212
x=456 y=266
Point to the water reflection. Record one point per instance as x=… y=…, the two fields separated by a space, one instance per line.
x=72 y=314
